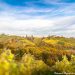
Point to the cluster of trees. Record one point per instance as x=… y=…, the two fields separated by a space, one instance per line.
x=36 y=56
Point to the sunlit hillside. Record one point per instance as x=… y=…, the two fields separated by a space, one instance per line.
x=36 y=55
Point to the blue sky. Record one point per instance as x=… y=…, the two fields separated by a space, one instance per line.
x=37 y=17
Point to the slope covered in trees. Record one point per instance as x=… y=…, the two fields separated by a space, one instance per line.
x=36 y=55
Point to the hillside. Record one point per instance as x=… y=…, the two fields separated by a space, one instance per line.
x=36 y=55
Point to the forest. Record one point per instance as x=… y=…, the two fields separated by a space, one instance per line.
x=29 y=55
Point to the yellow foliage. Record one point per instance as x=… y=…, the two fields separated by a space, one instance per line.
x=7 y=55
x=50 y=41
x=27 y=42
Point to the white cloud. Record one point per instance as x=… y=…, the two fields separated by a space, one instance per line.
x=16 y=21
x=58 y=26
x=11 y=21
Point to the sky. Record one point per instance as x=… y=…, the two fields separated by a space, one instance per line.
x=38 y=17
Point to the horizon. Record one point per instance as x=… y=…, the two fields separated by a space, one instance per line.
x=37 y=17
x=35 y=35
